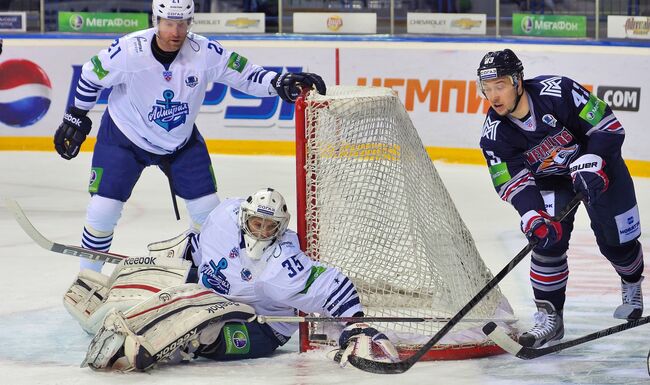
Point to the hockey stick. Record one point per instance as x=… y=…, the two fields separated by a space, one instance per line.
x=506 y=343
x=45 y=243
x=269 y=318
x=402 y=366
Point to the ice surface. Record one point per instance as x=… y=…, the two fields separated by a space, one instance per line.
x=41 y=344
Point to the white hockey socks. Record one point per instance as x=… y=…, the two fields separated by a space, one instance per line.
x=166 y=328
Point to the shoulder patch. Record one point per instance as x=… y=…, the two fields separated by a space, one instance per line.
x=237 y=62
x=490 y=128
x=499 y=174
x=593 y=111
x=551 y=87
x=97 y=67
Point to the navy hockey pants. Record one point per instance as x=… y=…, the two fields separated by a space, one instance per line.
x=615 y=222
x=118 y=163
x=243 y=340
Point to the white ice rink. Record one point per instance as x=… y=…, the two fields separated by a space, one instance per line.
x=41 y=344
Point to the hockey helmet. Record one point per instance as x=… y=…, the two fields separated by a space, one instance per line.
x=500 y=63
x=269 y=207
x=172 y=10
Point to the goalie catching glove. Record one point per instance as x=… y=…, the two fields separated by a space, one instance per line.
x=364 y=341
x=589 y=178
x=289 y=85
x=539 y=227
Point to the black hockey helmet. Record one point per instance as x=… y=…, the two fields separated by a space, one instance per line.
x=500 y=63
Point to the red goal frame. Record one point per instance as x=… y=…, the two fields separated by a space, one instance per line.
x=438 y=352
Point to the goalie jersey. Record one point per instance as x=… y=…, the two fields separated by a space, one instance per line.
x=155 y=105
x=282 y=280
x=565 y=122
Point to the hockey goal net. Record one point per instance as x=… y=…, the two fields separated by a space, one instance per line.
x=371 y=203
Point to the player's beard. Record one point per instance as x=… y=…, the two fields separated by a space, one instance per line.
x=171 y=44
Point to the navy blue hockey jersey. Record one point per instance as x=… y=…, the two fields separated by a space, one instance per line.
x=566 y=121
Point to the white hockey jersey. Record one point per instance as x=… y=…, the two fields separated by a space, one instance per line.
x=283 y=280
x=154 y=105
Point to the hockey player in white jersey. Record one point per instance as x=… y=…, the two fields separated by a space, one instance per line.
x=249 y=264
x=159 y=78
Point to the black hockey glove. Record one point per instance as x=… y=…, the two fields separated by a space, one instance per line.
x=589 y=178
x=289 y=85
x=72 y=132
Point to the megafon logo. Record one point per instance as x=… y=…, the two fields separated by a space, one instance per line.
x=76 y=22
x=24 y=93
x=527 y=24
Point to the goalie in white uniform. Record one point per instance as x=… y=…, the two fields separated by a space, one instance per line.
x=249 y=264
x=159 y=77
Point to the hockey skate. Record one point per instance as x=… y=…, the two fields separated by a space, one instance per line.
x=549 y=326
x=632 y=307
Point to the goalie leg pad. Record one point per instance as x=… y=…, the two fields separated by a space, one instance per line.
x=93 y=295
x=166 y=328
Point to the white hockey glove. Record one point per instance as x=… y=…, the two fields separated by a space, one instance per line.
x=362 y=340
x=589 y=178
x=166 y=328
x=135 y=279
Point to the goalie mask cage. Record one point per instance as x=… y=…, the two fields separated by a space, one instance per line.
x=371 y=203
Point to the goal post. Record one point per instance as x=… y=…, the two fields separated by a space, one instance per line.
x=371 y=203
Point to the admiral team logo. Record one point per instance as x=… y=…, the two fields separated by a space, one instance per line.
x=167 y=113
x=25 y=93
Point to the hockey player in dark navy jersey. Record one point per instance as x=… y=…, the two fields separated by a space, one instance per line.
x=546 y=139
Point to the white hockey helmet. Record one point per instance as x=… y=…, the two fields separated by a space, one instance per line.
x=269 y=205
x=172 y=10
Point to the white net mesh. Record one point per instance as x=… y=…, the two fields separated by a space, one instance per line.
x=377 y=209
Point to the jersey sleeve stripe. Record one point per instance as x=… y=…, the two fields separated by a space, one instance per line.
x=610 y=125
x=89 y=84
x=515 y=185
x=341 y=297
x=346 y=306
x=335 y=292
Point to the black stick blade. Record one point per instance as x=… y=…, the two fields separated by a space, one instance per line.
x=380 y=367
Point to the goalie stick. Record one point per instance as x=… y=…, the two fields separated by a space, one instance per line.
x=403 y=366
x=45 y=243
x=500 y=338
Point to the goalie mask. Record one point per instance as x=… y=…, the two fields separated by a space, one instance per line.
x=263 y=218
x=172 y=10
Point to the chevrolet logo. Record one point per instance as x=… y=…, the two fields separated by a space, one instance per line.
x=466 y=23
x=242 y=22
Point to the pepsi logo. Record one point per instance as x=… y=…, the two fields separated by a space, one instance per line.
x=25 y=93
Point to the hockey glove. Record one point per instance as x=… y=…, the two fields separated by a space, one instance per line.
x=538 y=226
x=588 y=177
x=72 y=132
x=362 y=340
x=289 y=85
